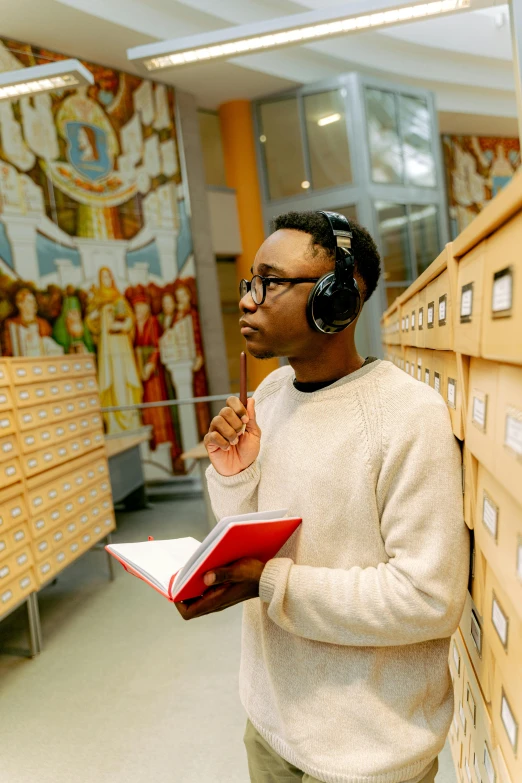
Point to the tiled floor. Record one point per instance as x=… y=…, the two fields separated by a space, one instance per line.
x=125 y=691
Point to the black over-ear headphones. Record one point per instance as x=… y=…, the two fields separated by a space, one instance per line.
x=335 y=301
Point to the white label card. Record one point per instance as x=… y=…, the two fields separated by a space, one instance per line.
x=419 y=372
x=452 y=392
x=413 y=320
x=466 y=301
x=442 y=309
x=488 y=765
x=427 y=377
x=513 y=434
x=502 y=291
x=490 y=516
x=456 y=658
x=431 y=309
x=462 y=717
x=478 y=415
x=421 y=317
x=437 y=382
x=500 y=621
x=509 y=722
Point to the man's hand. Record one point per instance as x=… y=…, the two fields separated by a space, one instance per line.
x=229 y=451
x=231 y=585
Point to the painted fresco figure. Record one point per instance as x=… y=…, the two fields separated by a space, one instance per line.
x=111 y=321
x=152 y=373
x=26 y=334
x=69 y=329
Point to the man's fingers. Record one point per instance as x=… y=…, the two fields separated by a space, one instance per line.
x=221 y=425
x=232 y=418
x=214 y=439
x=235 y=404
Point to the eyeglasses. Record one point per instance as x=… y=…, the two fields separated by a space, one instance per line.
x=258 y=285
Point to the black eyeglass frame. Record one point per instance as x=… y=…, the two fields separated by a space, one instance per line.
x=266 y=280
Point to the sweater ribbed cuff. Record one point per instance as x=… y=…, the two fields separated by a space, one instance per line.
x=250 y=473
x=272 y=572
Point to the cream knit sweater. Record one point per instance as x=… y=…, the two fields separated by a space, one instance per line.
x=344 y=654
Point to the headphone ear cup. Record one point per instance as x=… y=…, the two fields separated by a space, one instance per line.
x=329 y=309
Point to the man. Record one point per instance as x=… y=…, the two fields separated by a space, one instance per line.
x=344 y=673
x=26 y=334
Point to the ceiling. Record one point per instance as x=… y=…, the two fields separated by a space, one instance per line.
x=465 y=59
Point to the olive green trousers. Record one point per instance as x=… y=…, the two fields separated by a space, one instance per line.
x=266 y=766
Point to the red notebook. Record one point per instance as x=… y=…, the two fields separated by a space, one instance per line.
x=175 y=568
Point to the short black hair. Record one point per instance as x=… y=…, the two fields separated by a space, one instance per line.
x=364 y=249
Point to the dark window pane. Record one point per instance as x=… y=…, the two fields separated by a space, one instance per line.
x=383 y=137
x=283 y=151
x=394 y=242
x=327 y=139
x=417 y=141
x=425 y=225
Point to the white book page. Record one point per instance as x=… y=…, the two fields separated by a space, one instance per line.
x=157 y=560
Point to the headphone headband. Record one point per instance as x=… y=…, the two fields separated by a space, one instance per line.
x=341 y=228
x=335 y=302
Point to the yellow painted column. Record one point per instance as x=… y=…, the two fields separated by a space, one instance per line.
x=237 y=130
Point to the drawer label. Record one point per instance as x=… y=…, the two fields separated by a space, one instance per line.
x=40 y=524
x=29 y=440
x=7 y=596
x=58 y=536
x=45 y=568
x=513 y=433
x=471 y=706
x=419 y=371
x=488 y=764
x=500 y=621
x=2 y=546
x=442 y=309
x=19 y=536
x=476 y=632
x=7 y=447
x=22 y=560
x=479 y=410
x=53 y=493
x=74 y=547
x=413 y=321
x=43 y=546
x=60 y=431
x=456 y=658
x=67 y=487
x=436 y=381
x=25 y=582
x=4 y=423
x=4 y=572
x=427 y=376
x=502 y=299
x=462 y=717
x=509 y=722
x=476 y=767
x=490 y=516
x=431 y=314
x=61 y=557
x=452 y=392
x=51 y=368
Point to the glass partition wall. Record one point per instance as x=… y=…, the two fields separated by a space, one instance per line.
x=370 y=150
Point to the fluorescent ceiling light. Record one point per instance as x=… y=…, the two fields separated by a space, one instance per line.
x=328 y=120
x=59 y=75
x=295 y=29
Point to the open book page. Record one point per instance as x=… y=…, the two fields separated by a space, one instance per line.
x=215 y=535
x=157 y=561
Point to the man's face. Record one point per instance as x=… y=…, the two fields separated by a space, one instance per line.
x=28 y=308
x=142 y=311
x=280 y=323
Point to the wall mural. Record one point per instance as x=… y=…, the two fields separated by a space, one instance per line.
x=477 y=167
x=96 y=249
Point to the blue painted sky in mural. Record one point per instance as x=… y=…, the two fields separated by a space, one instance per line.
x=147 y=254
x=47 y=251
x=5 y=248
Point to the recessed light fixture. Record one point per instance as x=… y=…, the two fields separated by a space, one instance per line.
x=305 y=184
x=60 y=75
x=329 y=119
x=262 y=138
x=287 y=30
